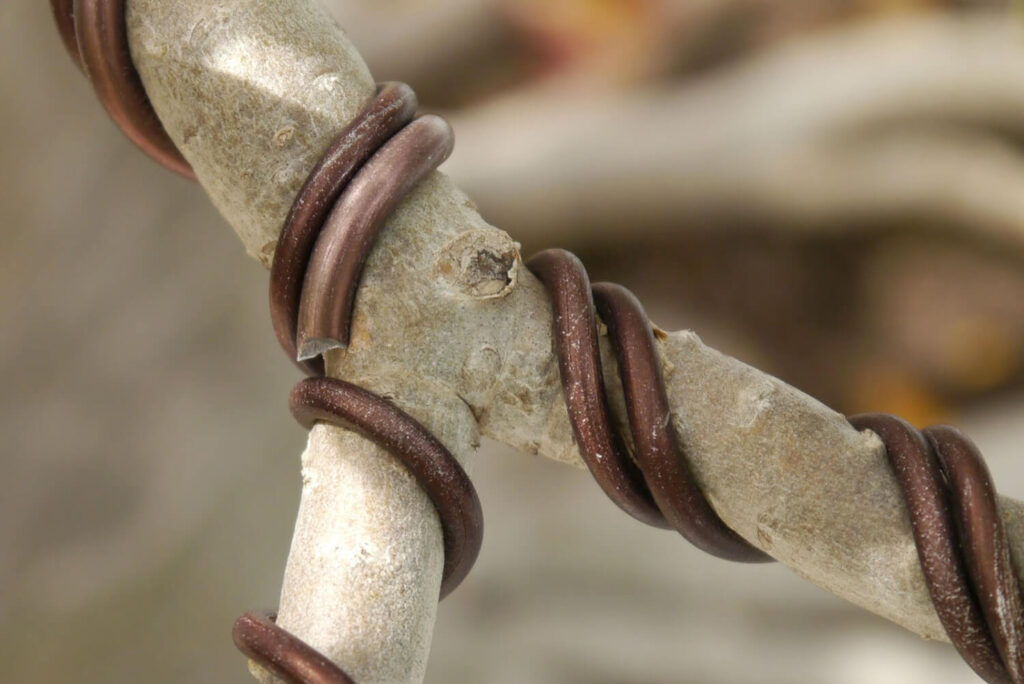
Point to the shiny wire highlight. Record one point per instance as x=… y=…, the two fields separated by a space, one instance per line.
x=332 y=226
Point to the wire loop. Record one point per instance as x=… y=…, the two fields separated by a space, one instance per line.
x=374 y=162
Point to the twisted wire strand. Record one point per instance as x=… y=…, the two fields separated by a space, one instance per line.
x=375 y=161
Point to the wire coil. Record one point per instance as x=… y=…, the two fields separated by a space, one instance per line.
x=375 y=161
x=962 y=546
x=954 y=514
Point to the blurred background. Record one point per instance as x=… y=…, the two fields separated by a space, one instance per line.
x=831 y=190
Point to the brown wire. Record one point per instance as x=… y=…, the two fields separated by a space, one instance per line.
x=393 y=107
x=257 y=635
x=983 y=542
x=334 y=268
x=377 y=159
x=951 y=501
x=366 y=171
x=961 y=543
x=963 y=549
x=433 y=466
x=658 y=489
x=920 y=476
x=96 y=36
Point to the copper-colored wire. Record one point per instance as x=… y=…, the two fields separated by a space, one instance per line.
x=435 y=469
x=391 y=109
x=349 y=233
x=257 y=635
x=96 y=36
x=658 y=488
x=951 y=501
x=377 y=159
x=382 y=151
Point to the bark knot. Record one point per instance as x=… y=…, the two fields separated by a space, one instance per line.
x=480 y=264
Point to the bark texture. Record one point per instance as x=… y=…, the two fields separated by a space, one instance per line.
x=450 y=324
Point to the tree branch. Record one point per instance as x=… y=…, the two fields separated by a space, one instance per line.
x=252 y=92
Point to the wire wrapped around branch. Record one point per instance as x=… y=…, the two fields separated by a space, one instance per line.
x=960 y=539
x=950 y=497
